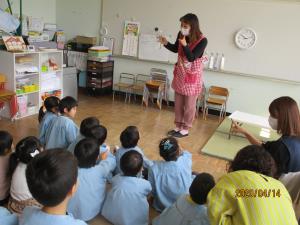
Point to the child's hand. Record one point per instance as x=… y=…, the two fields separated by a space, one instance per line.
x=104 y=155
x=115 y=149
x=150 y=199
x=180 y=149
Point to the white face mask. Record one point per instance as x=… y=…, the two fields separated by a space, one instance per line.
x=185 y=31
x=273 y=122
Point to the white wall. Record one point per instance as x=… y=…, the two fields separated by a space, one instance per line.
x=45 y=9
x=79 y=17
x=275 y=54
x=247 y=94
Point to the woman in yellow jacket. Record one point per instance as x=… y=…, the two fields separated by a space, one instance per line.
x=248 y=195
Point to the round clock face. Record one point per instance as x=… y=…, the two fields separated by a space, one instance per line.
x=245 y=38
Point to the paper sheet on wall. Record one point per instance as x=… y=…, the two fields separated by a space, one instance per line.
x=151 y=49
x=131 y=37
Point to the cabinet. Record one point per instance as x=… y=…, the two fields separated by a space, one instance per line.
x=70 y=82
x=33 y=76
x=99 y=77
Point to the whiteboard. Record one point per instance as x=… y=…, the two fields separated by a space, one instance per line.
x=151 y=49
x=276 y=22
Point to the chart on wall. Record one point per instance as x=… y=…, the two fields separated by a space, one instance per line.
x=130 y=38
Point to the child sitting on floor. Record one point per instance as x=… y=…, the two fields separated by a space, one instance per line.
x=172 y=177
x=88 y=200
x=52 y=180
x=46 y=117
x=189 y=209
x=86 y=125
x=126 y=203
x=6 y=145
x=7 y=218
x=20 y=196
x=63 y=131
x=129 y=140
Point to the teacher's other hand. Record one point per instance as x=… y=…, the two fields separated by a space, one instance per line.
x=183 y=41
x=237 y=128
x=163 y=40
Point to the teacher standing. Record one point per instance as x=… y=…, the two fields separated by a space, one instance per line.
x=188 y=79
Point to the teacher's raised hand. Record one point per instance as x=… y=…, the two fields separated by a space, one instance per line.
x=163 y=40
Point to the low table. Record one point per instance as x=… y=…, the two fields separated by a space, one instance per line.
x=246 y=118
x=220 y=146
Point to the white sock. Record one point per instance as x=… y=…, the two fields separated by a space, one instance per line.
x=184 y=132
x=177 y=129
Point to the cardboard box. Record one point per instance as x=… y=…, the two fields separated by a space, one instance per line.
x=86 y=40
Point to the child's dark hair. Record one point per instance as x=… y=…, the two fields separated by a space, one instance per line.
x=51 y=175
x=87 y=124
x=200 y=187
x=254 y=158
x=51 y=105
x=87 y=152
x=6 y=141
x=130 y=137
x=131 y=163
x=168 y=149
x=67 y=103
x=25 y=151
x=99 y=133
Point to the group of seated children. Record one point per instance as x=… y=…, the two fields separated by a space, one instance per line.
x=62 y=179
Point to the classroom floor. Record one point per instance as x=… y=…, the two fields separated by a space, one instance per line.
x=153 y=125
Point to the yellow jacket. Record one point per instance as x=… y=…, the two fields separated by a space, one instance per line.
x=248 y=198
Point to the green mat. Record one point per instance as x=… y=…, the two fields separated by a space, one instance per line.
x=221 y=147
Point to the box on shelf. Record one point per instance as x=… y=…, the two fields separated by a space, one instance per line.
x=99 y=54
x=22 y=104
x=31 y=109
x=47 y=94
x=24 y=59
x=41 y=38
x=86 y=40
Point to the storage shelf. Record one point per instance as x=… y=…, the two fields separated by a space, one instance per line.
x=9 y=67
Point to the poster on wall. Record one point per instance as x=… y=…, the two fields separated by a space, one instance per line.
x=131 y=38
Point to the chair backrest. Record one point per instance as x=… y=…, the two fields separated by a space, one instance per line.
x=127 y=78
x=218 y=91
x=159 y=74
x=142 y=78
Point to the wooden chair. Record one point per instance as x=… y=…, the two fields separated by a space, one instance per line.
x=200 y=101
x=217 y=99
x=157 y=86
x=126 y=81
x=139 y=84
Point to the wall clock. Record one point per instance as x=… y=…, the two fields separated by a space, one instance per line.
x=245 y=38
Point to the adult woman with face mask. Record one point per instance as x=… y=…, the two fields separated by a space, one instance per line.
x=188 y=81
x=285 y=119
